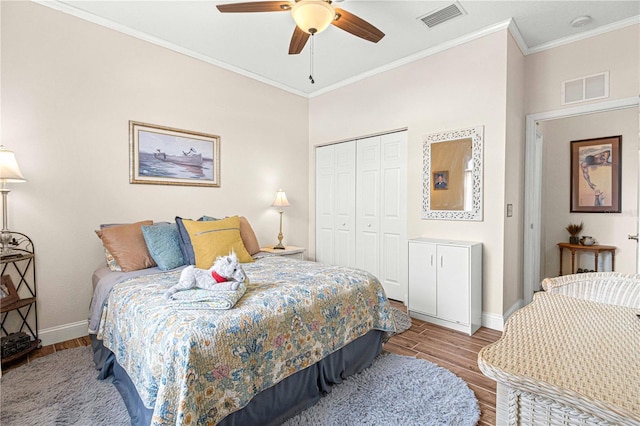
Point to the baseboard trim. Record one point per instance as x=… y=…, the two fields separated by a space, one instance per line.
x=62 y=333
x=492 y=321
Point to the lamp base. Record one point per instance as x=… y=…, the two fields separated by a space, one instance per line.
x=279 y=246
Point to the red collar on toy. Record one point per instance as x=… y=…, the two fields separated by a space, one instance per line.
x=219 y=278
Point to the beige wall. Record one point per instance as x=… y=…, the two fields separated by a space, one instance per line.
x=70 y=87
x=619 y=53
x=454 y=89
x=615 y=51
x=514 y=179
x=608 y=229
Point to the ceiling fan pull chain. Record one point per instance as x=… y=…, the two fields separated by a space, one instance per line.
x=311 y=63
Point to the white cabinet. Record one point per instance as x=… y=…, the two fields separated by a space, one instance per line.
x=361 y=202
x=445 y=283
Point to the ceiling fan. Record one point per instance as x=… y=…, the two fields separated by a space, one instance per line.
x=311 y=17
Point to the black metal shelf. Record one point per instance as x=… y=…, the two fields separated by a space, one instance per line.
x=19 y=263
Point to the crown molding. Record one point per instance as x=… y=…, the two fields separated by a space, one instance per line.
x=585 y=35
x=507 y=24
x=416 y=56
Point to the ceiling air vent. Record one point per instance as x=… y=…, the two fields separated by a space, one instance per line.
x=443 y=14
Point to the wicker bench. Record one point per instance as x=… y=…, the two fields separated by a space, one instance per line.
x=572 y=356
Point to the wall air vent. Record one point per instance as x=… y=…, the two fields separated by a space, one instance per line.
x=443 y=14
x=585 y=88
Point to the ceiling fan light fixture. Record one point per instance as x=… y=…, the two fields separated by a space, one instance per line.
x=312 y=16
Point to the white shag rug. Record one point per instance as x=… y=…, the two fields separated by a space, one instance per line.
x=62 y=389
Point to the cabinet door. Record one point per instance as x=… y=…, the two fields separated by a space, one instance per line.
x=453 y=283
x=422 y=278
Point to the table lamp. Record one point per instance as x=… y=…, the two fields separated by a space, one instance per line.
x=280 y=201
x=9 y=173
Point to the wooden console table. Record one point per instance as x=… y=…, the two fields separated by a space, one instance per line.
x=596 y=249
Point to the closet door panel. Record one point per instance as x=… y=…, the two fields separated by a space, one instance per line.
x=325 y=210
x=345 y=204
x=393 y=215
x=368 y=205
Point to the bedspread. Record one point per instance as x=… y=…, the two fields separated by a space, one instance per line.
x=196 y=366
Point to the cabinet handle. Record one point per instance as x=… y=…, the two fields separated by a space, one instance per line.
x=431 y=259
x=441 y=261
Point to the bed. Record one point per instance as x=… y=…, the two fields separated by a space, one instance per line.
x=298 y=328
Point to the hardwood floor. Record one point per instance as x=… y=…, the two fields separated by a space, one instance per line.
x=447 y=348
x=453 y=350
x=48 y=350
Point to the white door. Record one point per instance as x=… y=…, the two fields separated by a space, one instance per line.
x=393 y=271
x=381 y=211
x=638 y=219
x=453 y=283
x=368 y=205
x=325 y=188
x=335 y=204
x=345 y=204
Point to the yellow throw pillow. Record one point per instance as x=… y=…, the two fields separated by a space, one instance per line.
x=213 y=239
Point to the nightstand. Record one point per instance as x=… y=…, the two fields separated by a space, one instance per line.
x=289 y=251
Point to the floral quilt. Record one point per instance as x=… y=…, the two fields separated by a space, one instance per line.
x=195 y=365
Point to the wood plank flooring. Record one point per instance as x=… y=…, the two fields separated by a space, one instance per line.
x=447 y=348
x=453 y=350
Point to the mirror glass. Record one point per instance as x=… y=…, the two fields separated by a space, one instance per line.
x=453 y=175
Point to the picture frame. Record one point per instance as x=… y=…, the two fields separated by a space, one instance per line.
x=458 y=154
x=8 y=292
x=596 y=175
x=440 y=180
x=162 y=155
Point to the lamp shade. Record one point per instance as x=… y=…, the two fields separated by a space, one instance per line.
x=312 y=16
x=280 y=200
x=9 y=170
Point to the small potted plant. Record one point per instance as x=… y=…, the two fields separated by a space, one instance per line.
x=574 y=232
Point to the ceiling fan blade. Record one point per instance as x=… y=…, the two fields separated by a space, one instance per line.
x=256 y=6
x=298 y=41
x=357 y=26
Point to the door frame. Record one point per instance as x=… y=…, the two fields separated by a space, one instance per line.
x=533 y=183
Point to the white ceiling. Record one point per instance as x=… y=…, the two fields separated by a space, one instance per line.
x=256 y=44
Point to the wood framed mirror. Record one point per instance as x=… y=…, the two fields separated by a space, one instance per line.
x=452 y=175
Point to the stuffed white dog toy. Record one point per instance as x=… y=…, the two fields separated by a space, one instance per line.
x=225 y=274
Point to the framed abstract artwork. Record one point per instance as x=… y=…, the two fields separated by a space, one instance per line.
x=167 y=156
x=595 y=175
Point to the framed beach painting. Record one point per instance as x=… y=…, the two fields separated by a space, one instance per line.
x=166 y=156
x=595 y=175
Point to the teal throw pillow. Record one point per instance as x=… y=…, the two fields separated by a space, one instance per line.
x=163 y=244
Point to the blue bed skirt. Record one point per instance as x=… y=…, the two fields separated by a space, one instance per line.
x=272 y=406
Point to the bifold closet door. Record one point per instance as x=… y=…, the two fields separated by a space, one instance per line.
x=381 y=217
x=335 y=204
